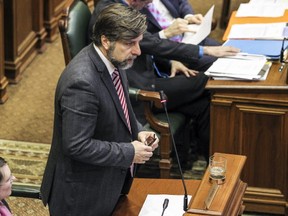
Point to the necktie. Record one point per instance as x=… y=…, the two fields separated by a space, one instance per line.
x=119 y=88
x=162 y=21
x=4 y=210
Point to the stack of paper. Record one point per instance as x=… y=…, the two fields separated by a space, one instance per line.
x=242 y=66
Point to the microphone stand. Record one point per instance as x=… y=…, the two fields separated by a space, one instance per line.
x=163 y=98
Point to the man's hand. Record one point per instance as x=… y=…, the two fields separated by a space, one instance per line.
x=194 y=19
x=143 y=136
x=178 y=67
x=220 y=51
x=143 y=152
x=178 y=27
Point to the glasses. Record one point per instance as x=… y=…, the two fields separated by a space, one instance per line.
x=283 y=55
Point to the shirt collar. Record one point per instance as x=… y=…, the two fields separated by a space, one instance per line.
x=110 y=67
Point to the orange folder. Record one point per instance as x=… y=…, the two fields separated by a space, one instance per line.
x=244 y=20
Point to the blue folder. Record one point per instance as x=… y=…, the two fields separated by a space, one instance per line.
x=269 y=48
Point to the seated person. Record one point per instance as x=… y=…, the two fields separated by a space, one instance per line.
x=6 y=180
x=170 y=19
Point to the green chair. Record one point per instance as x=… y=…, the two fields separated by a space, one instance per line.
x=73 y=27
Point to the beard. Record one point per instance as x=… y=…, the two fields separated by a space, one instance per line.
x=126 y=64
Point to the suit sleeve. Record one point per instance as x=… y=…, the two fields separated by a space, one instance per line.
x=185 y=8
x=153 y=45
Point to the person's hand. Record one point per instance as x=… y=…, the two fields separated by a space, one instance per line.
x=195 y=19
x=143 y=136
x=142 y=152
x=178 y=67
x=178 y=27
x=220 y=51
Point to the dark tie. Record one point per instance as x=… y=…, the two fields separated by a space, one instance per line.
x=119 y=88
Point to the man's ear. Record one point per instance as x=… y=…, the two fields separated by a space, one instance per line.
x=105 y=42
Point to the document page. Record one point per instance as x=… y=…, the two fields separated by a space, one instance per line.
x=260 y=10
x=257 y=31
x=153 y=205
x=202 y=30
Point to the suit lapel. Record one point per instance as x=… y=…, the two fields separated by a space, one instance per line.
x=171 y=8
x=106 y=78
x=151 y=17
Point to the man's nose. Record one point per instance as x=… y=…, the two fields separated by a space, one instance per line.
x=136 y=49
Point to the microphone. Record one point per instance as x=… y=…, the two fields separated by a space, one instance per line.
x=165 y=205
x=163 y=99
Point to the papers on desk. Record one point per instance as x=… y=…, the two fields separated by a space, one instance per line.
x=266 y=31
x=281 y=3
x=261 y=10
x=241 y=67
x=201 y=31
x=153 y=205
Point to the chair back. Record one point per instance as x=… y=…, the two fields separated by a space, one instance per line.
x=73 y=27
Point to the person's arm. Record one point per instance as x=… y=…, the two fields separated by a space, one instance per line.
x=80 y=111
x=153 y=45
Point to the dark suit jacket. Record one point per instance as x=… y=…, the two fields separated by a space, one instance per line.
x=91 y=151
x=177 y=9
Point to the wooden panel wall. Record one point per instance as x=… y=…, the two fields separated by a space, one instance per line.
x=52 y=13
x=23 y=35
x=3 y=80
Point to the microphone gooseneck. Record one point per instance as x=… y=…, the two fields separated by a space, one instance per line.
x=163 y=98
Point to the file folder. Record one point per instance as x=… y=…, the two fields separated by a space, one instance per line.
x=269 y=48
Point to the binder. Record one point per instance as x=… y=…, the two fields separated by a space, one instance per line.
x=270 y=48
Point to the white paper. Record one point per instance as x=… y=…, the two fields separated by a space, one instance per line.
x=277 y=3
x=202 y=30
x=153 y=205
x=242 y=66
x=257 y=31
x=260 y=10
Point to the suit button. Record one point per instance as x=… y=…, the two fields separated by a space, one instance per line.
x=123 y=171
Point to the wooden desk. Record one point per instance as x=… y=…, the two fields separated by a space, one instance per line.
x=251 y=118
x=131 y=205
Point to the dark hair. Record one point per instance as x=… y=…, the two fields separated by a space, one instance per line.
x=118 y=22
x=2 y=163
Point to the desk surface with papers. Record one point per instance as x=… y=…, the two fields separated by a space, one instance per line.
x=250 y=117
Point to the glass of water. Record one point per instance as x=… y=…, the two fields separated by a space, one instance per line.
x=217 y=169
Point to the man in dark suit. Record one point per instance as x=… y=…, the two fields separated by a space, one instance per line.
x=177 y=15
x=96 y=142
x=186 y=93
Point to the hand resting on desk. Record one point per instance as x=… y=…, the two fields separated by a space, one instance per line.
x=220 y=51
